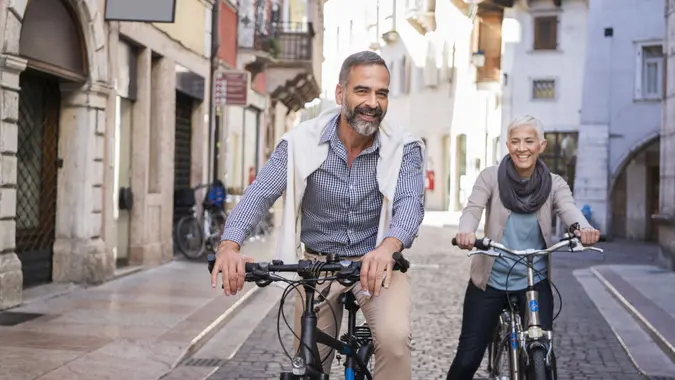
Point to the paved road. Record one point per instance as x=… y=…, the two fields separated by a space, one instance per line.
x=586 y=348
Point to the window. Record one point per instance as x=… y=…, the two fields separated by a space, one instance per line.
x=561 y=154
x=543 y=89
x=649 y=73
x=546 y=33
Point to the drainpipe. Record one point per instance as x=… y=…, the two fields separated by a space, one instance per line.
x=214 y=117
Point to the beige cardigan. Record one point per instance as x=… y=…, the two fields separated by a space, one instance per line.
x=485 y=195
x=306 y=154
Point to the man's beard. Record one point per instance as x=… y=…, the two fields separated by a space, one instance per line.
x=363 y=127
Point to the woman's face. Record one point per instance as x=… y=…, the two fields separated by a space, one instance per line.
x=524 y=148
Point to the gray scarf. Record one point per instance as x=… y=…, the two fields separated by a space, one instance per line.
x=523 y=197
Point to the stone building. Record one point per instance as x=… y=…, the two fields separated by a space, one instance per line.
x=89 y=108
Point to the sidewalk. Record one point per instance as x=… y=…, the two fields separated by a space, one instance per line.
x=638 y=302
x=134 y=327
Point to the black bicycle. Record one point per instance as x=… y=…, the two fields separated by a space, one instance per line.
x=526 y=350
x=195 y=234
x=356 y=345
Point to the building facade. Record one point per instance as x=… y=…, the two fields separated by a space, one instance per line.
x=617 y=168
x=544 y=44
x=666 y=213
x=53 y=144
x=97 y=134
x=436 y=89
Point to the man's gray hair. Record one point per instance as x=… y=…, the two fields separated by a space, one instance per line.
x=527 y=120
x=362 y=58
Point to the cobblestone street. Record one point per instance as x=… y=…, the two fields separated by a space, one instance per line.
x=585 y=347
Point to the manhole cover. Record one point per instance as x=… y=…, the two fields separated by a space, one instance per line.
x=13 y=318
x=198 y=362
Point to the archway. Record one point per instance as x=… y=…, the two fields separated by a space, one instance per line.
x=635 y=192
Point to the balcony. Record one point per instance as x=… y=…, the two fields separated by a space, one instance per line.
x=421 y=14
x=291 y=76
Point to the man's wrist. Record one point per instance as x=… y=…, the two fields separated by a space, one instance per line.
x=229 y=244
x=392 y=244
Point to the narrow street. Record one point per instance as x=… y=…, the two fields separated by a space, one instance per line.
x=586 y=347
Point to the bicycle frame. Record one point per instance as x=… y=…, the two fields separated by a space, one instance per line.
x=307 y=363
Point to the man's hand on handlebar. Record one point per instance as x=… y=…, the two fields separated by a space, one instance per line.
x=374 y=265
x=465 y=240
x=233 y=266
x=588 y=236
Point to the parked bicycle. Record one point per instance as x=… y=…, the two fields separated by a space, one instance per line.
x=528 y=353
x=195 y=235
x=356 y=345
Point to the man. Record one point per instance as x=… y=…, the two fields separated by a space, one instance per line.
x=353 y=186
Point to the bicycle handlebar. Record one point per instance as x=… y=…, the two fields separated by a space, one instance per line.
x=346 y=270
x=485 y=244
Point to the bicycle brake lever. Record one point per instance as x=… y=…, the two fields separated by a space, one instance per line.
x=488 y=253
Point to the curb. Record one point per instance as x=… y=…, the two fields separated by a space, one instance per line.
x=660 y=341
x=206 y=334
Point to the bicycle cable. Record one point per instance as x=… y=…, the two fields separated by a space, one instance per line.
x=540 y=275
x=294 y=285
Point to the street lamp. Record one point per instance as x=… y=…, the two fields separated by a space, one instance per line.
x=478 y=58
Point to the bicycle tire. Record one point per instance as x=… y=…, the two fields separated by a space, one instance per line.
x=194 y=228
x=538 y=369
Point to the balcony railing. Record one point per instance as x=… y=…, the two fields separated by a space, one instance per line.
x=294 y=40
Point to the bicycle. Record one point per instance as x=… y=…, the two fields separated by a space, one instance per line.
x=525 y=350
x=356 y=344
x=194 y=236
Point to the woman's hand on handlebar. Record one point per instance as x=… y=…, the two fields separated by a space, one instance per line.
x=588 y=236
x=233 y=266
x=465 y=240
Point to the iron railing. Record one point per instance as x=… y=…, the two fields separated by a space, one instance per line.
x=294 y=39
x=37 y=171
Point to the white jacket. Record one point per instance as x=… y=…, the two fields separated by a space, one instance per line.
x=305 y=155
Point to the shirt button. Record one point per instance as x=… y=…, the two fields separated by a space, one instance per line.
x=351 y=187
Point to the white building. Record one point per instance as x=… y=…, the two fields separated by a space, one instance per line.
x=544 y=44
x=618 y=164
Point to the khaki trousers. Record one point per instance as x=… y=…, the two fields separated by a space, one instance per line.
x=387 y=315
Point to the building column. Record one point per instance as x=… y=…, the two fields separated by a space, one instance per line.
x=79 y=250
x=11 y=277
x=666 y=217
x=153 y=125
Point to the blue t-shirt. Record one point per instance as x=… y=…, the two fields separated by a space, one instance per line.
x=522 y=232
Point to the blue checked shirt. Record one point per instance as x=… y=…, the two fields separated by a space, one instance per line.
x=341 y=206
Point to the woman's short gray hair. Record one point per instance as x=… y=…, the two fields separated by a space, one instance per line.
x=527 y=120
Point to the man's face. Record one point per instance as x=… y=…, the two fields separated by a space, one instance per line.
x=365 y=98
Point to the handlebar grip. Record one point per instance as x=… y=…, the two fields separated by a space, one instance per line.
x=211 y=258
x=480 y=245
x=250 y=267
x=402 y=263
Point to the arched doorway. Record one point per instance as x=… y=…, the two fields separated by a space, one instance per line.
x=53 y=58
x=635 y=193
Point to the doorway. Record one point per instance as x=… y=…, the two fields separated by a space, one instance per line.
x=124 y=132
x=37 y=173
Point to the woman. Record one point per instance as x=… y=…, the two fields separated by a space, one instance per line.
x=520 y=197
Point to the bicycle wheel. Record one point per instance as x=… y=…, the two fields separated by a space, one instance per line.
x=190 y=238
x=537 y=370
x=499 y=350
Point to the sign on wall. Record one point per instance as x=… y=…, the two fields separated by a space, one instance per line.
x=231 y=88
x=141 y=11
